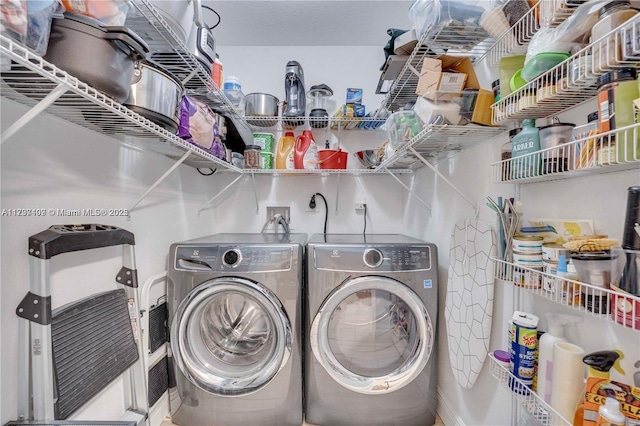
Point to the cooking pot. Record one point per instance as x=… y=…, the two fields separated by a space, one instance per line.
x=99 y=55
x=155 y=95
x=261 y=105
x=180 y=15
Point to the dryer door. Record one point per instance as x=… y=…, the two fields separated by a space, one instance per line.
x=372 y=334
x=231 y=336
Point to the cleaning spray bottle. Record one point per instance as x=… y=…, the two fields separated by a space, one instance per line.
x=598 y=365
x=554 y=334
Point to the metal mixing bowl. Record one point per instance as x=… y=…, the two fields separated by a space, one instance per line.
x=368 y=158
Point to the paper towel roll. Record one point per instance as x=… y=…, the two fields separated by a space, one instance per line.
x=567 y=381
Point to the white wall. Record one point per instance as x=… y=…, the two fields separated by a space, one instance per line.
x=51 y=164
x=601 y=197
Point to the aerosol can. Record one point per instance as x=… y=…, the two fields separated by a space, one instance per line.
x=294 y=94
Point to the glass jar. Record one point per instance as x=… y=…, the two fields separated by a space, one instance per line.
x=608 y=53
x=237 y=160
x=616 y=92
x=252 y=157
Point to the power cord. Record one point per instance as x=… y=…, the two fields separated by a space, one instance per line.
x=364 y=231
x=217 y=14
x=312 y=205
x=206 y=174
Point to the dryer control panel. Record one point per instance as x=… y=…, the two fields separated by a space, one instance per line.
x=233 y=258
x=366 y=259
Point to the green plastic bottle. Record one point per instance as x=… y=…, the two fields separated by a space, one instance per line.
x=524 y=143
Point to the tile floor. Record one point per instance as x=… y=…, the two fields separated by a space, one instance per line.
x=167 y=422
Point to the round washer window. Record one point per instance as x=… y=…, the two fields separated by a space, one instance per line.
x=372 y=335
x=231 y=336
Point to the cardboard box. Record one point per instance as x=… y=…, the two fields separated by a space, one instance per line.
x=450 y=73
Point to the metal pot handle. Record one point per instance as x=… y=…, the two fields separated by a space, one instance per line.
x=138 y=47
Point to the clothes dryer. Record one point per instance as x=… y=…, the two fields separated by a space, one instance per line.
x=371 y=319
x=235 y=329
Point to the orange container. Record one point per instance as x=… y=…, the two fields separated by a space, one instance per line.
x=332 y=159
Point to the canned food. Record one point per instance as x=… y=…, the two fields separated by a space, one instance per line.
x=552 y=251
x=549 y=284
x=530 y=277
x=527 y=244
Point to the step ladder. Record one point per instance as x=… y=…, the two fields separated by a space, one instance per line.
x=67 y=356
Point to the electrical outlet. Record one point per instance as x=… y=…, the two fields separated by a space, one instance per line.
x=360 y=205
x=282 y=211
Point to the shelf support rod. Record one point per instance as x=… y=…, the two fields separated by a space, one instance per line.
x=34 y=111
x=160 y=179
x=255 y=192
x=447 y=181
x=338 y=193
x=219 y=193
x=413 y=70
x=408 y=189
x=190 y=76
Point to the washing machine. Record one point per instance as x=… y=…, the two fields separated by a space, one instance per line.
x=235 y=315
x=371 y=319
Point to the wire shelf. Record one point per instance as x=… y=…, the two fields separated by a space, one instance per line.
x=515 y=40
x=598 y=302
x=527 y=399
x=319 y=123
x=574 y=80
x=31 y=78
x=168 y=50
x=471 y=42
x=324 y=172
x=436 y=141
x=612 y=151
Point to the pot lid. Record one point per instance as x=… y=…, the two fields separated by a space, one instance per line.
x=600 y=255
x=557 y=125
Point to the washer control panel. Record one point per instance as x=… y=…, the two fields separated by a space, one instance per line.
x=386 y=258
x=262 y=258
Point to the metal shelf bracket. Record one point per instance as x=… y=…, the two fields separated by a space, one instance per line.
x=205 y=205
x=447 y=181
x=413 y=70
x=408 y=189
x=160 y=179
x=337 y=195
x=47 y=101
x=255 y=193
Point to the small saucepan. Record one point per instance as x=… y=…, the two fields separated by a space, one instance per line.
x=261 y=105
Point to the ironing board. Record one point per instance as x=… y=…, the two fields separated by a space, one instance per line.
x=469 y=300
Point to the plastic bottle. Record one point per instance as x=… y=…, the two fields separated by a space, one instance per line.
x=305 y=152
x=216 y=71
x=566 y=288
x=285 y=145
x=609 y=414
x=545 y=351
x=526 y=143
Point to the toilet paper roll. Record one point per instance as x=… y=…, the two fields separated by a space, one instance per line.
x=567 y=381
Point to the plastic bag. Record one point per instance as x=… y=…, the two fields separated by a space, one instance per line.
x=199 y=126
x=577 y=27
x=109 y=12
x=459 y=16
x=13 y=19
x=40 y=13
x=401 y=127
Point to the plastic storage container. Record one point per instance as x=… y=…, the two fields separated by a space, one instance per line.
x=401 y=127
x=612 y=15
x=252 y=157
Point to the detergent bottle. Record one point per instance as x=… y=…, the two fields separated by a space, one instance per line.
x=306 y=152
x=284 y=151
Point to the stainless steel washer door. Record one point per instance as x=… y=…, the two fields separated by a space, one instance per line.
x=231 y=336
x=372 y=335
